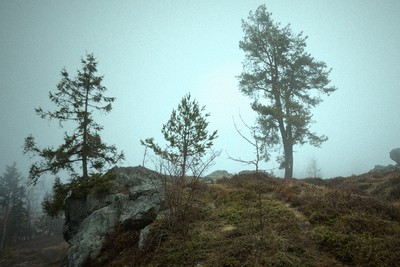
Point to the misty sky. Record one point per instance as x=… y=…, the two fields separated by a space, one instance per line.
x=154 y=52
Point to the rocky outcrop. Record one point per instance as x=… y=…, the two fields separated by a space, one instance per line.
x=214 y=176
x=133 y=202
x=385 y=169
x=395 y=156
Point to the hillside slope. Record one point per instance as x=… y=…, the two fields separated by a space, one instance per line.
x=244 y=221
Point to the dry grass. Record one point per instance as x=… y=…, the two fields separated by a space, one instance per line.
x=42 y=252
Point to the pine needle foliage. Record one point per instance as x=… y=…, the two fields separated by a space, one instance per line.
x=76 y=100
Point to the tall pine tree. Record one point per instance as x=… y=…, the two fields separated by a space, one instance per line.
x=76 y=100
x=284 y=81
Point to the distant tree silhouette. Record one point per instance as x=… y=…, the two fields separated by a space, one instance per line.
x=278 y=69
x=76 y=100
x=14 y=218
x=313 y=169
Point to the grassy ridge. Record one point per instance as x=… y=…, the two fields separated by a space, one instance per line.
x=244 y=221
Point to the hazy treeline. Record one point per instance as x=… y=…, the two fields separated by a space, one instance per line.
x=21 y=216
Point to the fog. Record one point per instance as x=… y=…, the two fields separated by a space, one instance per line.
x=152 y=53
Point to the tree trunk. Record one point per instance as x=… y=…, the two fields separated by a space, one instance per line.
x=183 y=174
x=185 y=153
x=5 y=222
x=84 y=164
x=4 y=231
x=288 y=150
x=85 y=137
x=286 y=133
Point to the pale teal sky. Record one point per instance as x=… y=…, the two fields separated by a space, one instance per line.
x=153 y=52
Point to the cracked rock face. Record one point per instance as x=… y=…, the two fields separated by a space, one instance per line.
x=134 y=202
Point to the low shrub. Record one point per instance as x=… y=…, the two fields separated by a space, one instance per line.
x=359 y=250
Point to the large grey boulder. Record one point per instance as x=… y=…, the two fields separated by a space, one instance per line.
x=395 y=155
x=134 y=202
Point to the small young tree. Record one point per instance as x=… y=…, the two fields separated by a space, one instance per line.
x=76 y=100
x=258 y=143
x=187 y=136
x=260 y=150
x=188 y=142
